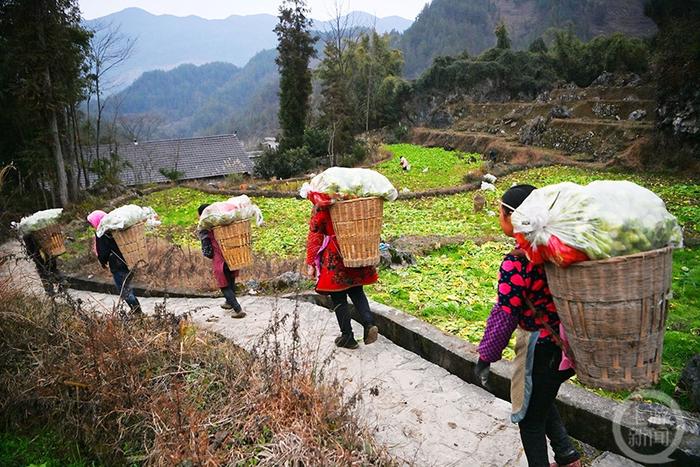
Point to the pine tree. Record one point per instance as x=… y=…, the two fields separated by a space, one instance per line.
x=503 y=41
x=295 y=49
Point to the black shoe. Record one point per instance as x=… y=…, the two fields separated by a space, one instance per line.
x=346 y=342
x=371 y=333
x=237 y=314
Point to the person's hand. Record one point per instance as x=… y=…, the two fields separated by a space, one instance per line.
x=311 y=270
x=481 y=373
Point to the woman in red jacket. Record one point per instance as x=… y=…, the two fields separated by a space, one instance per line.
x=324 y=262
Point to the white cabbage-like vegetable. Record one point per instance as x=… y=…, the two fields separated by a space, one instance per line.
x=350 y=182
x=229 y=211
x=604 y=219
x=38 y=221
x=126 y=216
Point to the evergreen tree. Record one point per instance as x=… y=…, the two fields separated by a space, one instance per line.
x=296 y=48
x=538 y=46
x=502 y=39
x=42 y=56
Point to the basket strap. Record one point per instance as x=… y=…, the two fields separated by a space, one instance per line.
x=564 y=346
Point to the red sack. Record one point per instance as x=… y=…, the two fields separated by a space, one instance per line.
x=554 y=251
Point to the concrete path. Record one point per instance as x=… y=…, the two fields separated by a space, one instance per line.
x=421 y=413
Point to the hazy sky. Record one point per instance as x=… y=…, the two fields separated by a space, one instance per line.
x=320 y=9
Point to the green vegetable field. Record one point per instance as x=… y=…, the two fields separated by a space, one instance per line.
x=454 y=287
x=430 y=167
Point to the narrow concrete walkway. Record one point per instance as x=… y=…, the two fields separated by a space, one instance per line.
x=423 y=415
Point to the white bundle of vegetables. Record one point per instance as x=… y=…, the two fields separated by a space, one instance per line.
x=126 y=216
x=341 y=182
x=603 y=219
x=38 y=221
x=226 y=212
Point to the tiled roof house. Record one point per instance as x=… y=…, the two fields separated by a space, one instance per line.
x=197 y=158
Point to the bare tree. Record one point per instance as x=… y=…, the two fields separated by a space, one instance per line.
x=334 y=71
x=140 y=127
x=109 y=48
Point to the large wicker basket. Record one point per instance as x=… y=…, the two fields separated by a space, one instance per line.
x=358 y=227
x=614 y=312
x=132 y=243
x=51 y=240
x=235 y=242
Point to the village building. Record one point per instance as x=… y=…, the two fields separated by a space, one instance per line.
x=160 y=161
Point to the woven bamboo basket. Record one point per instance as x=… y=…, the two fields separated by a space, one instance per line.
x=235 y=242
x=358 y=227
x=51 y=240
x=614 y=312
x=132 y=244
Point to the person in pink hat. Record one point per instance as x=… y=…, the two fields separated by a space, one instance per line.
x=108 y=253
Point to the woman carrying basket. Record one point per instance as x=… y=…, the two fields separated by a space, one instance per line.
x=46 y=265
x=225 y=278
x=108 y=253
x=325 y=263
x=525 y=304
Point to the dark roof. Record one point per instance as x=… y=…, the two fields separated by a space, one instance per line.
x=201 y=157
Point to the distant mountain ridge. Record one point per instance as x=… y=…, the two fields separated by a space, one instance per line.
x=214 y=98
x=450 y=27
x=166 y=41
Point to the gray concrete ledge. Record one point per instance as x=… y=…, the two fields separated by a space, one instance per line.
x=588 y=417
x=99 y=285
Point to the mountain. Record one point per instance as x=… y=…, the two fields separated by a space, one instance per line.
x=166 y=41
x=451 y=27
x=215 y=98
x=366 y=20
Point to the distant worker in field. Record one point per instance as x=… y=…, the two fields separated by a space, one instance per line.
x=541 y=363
x=404 y=164
x=46 y=265
x=109 y=254
x=325 y=263
x=225 y=278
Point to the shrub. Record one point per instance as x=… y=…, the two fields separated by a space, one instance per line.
x=171 y=174
x=397 y=134
x=357 y=154
x=284 y=164
x=234 y=179
x=316 y=140
x=108 y=170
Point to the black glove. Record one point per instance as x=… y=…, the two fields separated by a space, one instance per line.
x=481 y=373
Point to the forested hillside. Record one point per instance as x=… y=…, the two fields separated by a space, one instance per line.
x=209 y=99
x=449 y=27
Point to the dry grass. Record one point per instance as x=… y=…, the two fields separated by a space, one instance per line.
x=182 y=267
x=160 y=391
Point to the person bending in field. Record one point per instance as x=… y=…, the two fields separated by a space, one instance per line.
x=108 y=253
x=225 y=278
x=525 y=306
x=404 y=164
x=45 y=264
x=325 y=263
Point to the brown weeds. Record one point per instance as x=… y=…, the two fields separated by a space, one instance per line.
x=160 y=391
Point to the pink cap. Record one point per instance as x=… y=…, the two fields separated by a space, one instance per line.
x=95 y=217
